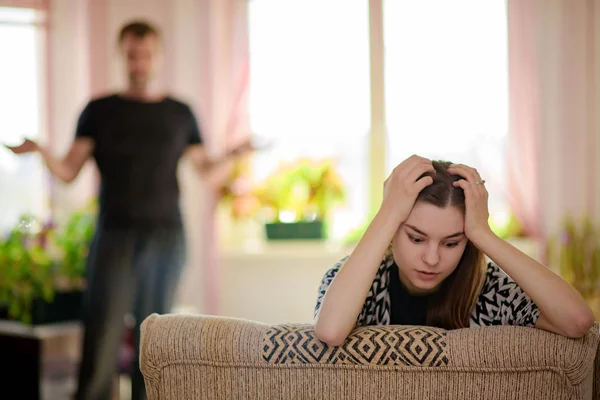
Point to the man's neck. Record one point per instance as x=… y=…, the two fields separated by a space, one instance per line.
x=142 y=93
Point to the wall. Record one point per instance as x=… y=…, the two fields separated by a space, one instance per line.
x=274 y=283
x=278 y=282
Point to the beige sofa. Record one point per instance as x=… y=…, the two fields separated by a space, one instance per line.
x=200 y=357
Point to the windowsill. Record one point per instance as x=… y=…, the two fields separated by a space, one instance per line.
x=312 y=249
x=297 y=249
x=252 y=275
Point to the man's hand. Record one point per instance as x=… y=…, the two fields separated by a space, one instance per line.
x=28 y=146
x=243 y=148
x=217 y=171
x=65 y=169
x=250 y=145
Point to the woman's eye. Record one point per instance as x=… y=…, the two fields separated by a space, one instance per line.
x=453 y=244
x=414 y=239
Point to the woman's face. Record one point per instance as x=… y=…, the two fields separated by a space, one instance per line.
x=428 y=246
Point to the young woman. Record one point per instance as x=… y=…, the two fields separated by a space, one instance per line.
x=421 y=262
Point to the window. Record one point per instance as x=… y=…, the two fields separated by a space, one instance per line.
x=23 y=185
x=446 y=73
x=309 y=90
x=446 y=87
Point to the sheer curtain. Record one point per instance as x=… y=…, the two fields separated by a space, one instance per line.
x=555 y=103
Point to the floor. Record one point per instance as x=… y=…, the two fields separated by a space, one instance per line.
x=63 y=390
x=124 y=388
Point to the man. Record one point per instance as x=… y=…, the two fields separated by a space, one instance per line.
x=137 y=138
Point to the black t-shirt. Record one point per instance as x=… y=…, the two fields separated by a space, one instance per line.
x=137 y=149
x=406 y=309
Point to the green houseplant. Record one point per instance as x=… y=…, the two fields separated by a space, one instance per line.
x=71 y=244
x=27 y=274
x=43 y=269
x=298 y=198
x=575 y=253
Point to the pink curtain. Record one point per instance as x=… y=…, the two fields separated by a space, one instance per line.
x=524 y=137
x=224 y=58
x=554 y=142
x=68 y=83
x=34 y=4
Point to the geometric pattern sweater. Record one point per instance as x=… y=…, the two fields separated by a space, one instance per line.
x=501 y=301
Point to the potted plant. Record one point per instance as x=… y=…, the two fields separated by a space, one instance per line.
x=71 y=245
x=575 y=253
x=27 y=275
x=237 y=193
x=298 y=198
x=43 y=270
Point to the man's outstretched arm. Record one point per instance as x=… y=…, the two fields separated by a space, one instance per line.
x=67 y=168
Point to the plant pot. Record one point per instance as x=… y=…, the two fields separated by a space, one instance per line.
x=66 y=306
x=295 y=230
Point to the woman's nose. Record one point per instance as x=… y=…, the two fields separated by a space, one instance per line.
x=431 y=256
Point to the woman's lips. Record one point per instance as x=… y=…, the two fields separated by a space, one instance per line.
x=427 y=276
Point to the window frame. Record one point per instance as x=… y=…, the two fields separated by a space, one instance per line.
x=378 y=138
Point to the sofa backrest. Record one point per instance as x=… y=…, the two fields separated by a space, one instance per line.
x=203 y=357
x=597 y=367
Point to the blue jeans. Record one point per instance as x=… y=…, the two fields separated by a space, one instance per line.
x=129 y=270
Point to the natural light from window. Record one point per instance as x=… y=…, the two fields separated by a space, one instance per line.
x=446 y=86
x=309 y=90
x=22 y=179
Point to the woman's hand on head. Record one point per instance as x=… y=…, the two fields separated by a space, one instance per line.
x=476 y=200
x=401 y=188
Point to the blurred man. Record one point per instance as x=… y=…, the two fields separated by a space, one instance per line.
x=137 y=138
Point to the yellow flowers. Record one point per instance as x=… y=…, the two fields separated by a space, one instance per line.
x=307 y=188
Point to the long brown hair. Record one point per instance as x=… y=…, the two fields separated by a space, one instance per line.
x=450 y=307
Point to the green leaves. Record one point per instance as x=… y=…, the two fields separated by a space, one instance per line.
x=575 y=253
x=34 y=260
x=26 y=274
x=72 y=243
x=307 y=187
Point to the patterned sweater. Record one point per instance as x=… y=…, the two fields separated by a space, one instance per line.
x=501 y=301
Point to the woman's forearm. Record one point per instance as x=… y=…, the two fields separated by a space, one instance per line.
x=347 y=293
x=558 y=302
